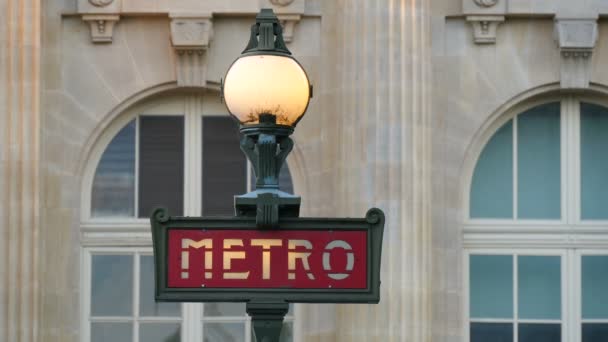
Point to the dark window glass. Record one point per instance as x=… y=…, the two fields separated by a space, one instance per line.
x=112 y=285
x=491 y=332
x=538 y=166
x=114 y=183
x=594 y=164
x=530 y=332
x=492 y=185
x=224 y=166
x=594 y=286
x=115 y=332
x=595 y=332
x=161 y=164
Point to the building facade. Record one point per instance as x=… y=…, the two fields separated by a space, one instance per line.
x=479 y=127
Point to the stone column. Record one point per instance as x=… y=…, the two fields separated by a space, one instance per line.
x=375 y=97
x=19 y=168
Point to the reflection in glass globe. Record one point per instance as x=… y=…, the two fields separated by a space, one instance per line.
x=266 y=84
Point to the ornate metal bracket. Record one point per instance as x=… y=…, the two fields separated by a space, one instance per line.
x=267 y=319
x=266 y=34
x=267 y=145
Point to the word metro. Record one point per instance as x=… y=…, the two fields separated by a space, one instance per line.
x=297 y=259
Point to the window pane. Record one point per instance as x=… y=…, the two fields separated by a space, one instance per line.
x=538 y=163
x=595 y=332
x=113 y=192
x=539 y=284
x=224 y=165
x=594 y=162
x=224 y=309
x=159 y=332
x=224 y=332
x=161 y=164
x=112 y=285
x=539 y=332
x=147 y=305
x=491 y=332
x=491 y=279
x=595 y=287
x=115 y=332
x=492 y=185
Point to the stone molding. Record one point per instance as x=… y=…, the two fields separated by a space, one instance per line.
x=190 y=37
x=100 y=3
x=101 y=26
x=576 y=39
x=288 y=21
x=485 y=3
x=158 y=7
x=485 y=27
x=281 y=2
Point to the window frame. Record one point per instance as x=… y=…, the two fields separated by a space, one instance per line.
x=131 y=235
x=571 y=236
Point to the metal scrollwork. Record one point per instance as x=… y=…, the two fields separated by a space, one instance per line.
x=100 y=3
x=486 y=3
x=374 y=216
x=281 y=2
x=161 y=215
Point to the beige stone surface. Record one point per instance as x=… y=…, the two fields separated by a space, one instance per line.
x=401 y=93
x=20 y=185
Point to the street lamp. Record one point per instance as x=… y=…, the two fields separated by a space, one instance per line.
x=268 y=92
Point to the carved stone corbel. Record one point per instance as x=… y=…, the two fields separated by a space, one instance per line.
x=288 y=22
x=190 y=37
x=576 y=39
x=102 y=26
x=484 y=27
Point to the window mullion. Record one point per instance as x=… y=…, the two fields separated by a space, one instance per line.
x=515 y=169
x=515 y=299
x=86 y=294
x=192 y=322
x=191 y=312
x=136 y=175
x=571 y=164
x=575 y=161
x=192 y=149
x=136 y=276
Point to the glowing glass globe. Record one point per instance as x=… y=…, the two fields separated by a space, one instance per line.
x=266 y=84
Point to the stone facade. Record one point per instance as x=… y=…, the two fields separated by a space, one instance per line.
x=403 y=93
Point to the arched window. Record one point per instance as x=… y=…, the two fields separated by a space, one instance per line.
x=536 y=236
x=181 y=152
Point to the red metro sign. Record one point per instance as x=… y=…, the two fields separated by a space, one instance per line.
x=267 y=259
x=311 y=260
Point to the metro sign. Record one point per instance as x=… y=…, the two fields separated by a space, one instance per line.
x=304 y=260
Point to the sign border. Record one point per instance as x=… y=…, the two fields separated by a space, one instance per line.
x=372 y=223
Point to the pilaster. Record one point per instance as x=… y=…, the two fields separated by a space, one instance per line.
x=376 y=85
x=19 y=169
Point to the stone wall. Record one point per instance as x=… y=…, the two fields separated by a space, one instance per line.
x=403 y=93
x=20 y=161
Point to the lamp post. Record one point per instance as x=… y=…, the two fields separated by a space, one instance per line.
x=249 y=258
x=268 y=92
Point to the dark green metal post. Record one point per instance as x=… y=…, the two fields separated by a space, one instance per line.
x=267 y=319
x=267 y=145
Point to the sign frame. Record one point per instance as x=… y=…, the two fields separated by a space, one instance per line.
x=372 y=223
